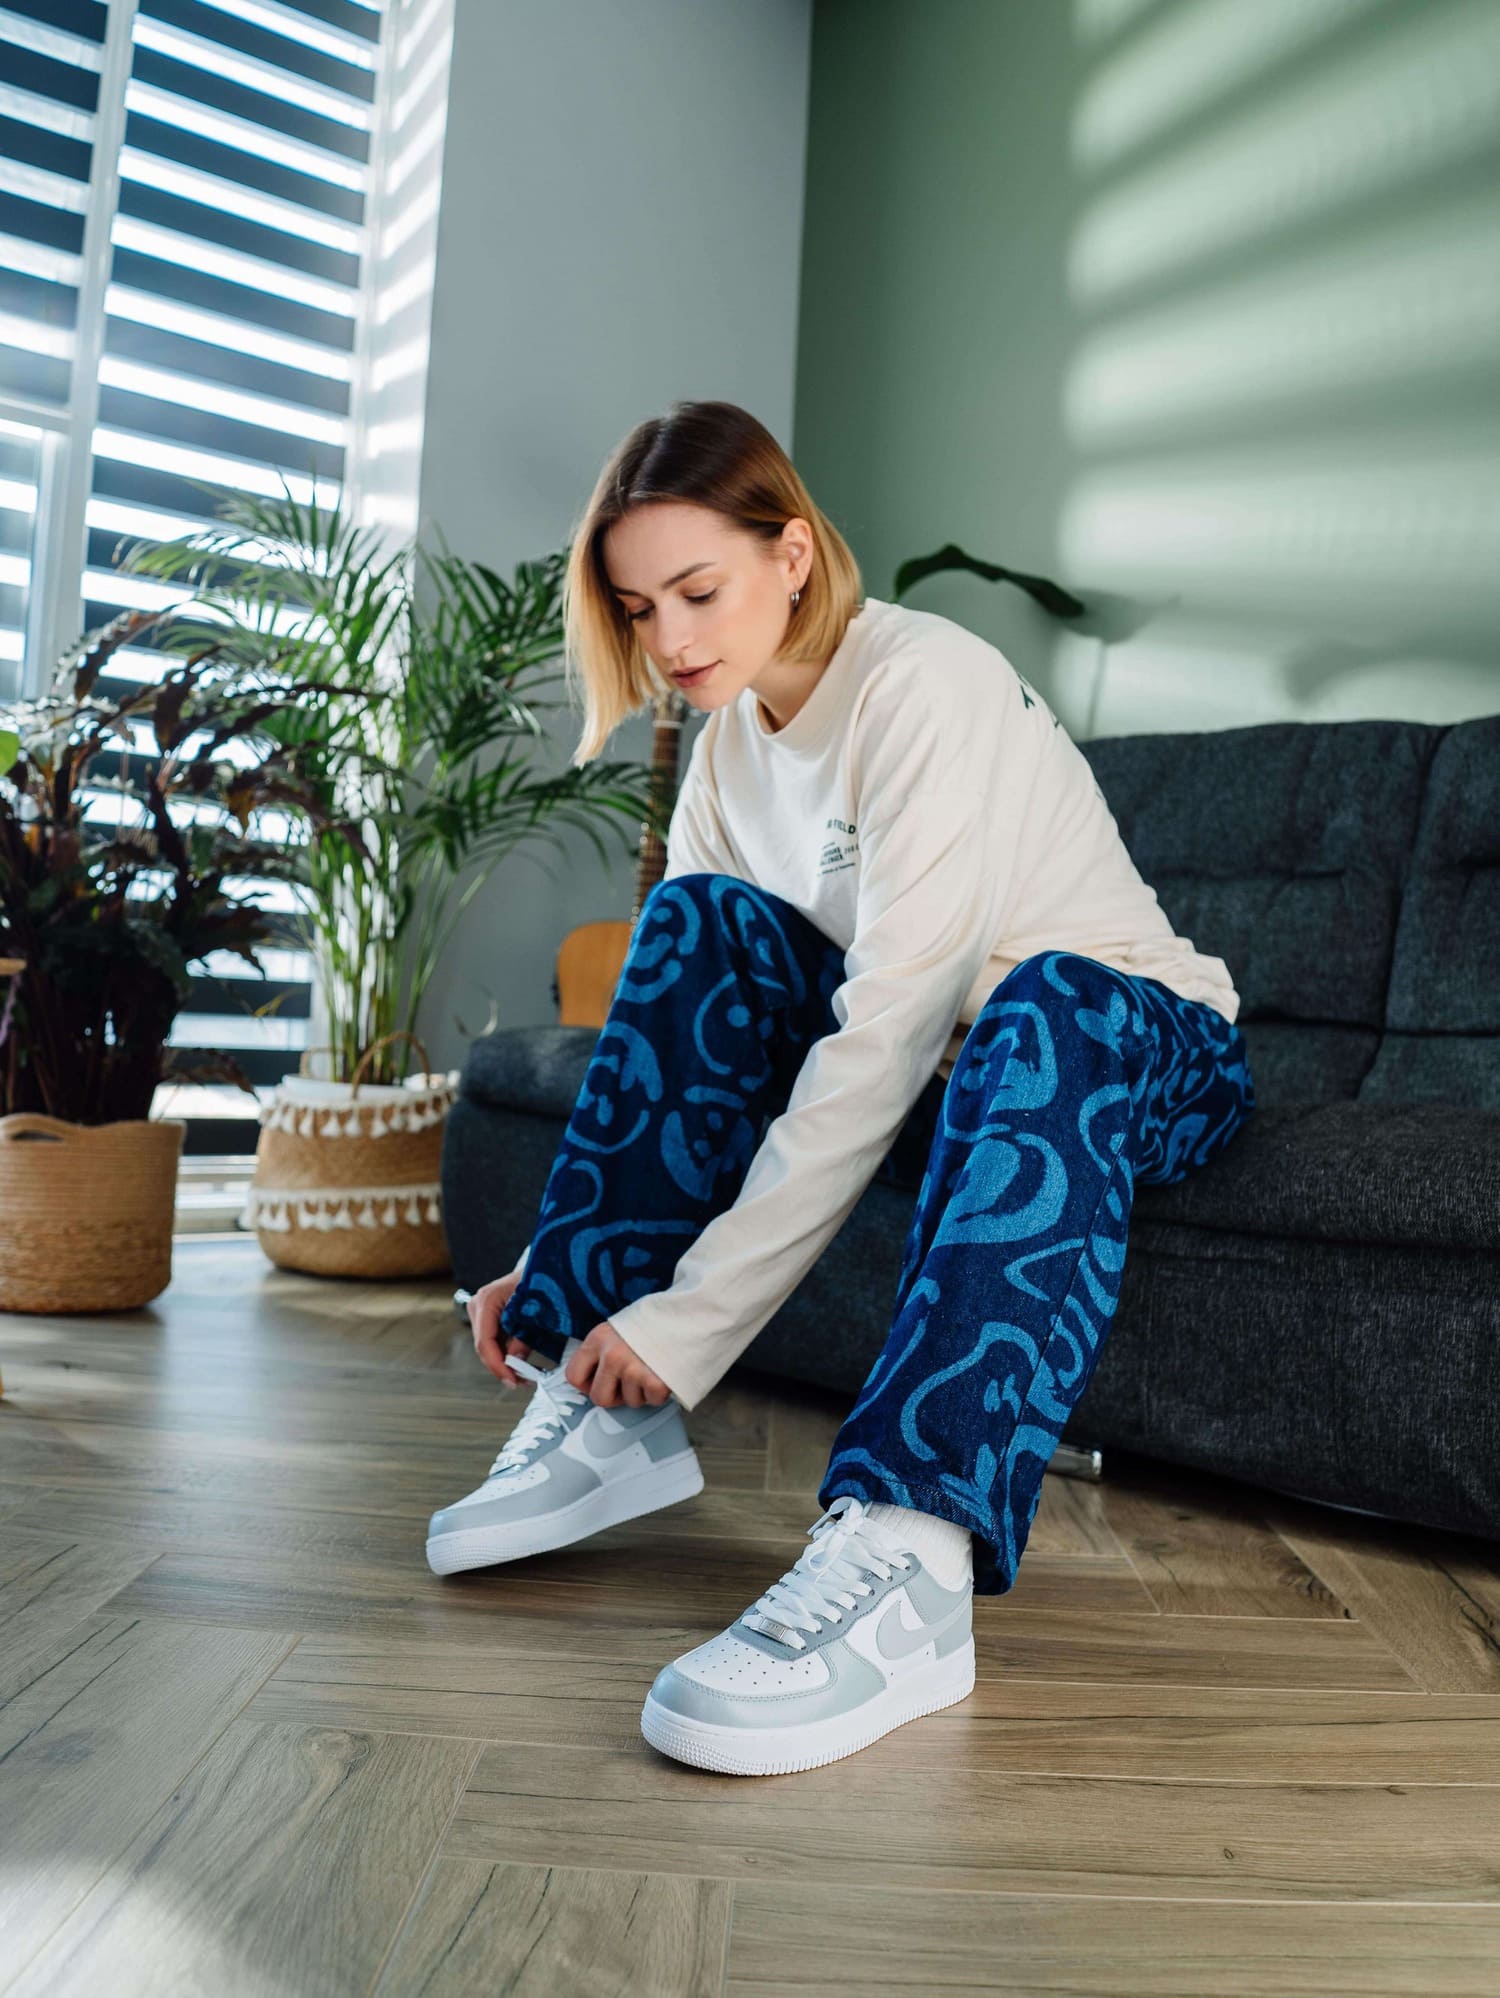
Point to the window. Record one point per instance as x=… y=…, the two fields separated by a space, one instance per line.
x=182 y=227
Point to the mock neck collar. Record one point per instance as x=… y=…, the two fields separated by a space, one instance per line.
x=811 y=723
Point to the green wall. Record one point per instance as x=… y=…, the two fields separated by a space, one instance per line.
x=1194 y=304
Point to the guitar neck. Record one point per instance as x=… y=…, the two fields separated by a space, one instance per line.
x=666 y=742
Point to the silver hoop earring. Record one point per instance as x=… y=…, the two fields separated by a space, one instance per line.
x=796 y=596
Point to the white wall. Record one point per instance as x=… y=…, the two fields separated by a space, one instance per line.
x=621 y=228
x=384 y=473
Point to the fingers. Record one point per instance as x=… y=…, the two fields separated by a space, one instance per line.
x=514 y=1349
x=484 y=1310
x=613 y=1353
x=633 y=1384
x=484 y=1317
x=611 y=1375
x=621 y=1380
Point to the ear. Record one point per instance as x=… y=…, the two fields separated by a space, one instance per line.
x=796 y=550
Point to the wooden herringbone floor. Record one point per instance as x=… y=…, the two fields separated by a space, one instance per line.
x=1222 y=1742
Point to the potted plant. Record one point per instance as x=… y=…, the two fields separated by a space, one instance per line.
x=421 y=757
x=125 y=811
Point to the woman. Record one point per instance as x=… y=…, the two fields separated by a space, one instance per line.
x=895 y=902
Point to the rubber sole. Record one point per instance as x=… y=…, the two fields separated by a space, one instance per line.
x=667 y=1483
x=744 y=1751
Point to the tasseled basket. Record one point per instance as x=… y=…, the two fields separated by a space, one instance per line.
x=348 y=1182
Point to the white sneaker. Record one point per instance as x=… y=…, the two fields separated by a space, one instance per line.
x=568 y=1469
x=855 y=1639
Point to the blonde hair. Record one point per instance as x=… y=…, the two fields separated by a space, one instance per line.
x=716 y=455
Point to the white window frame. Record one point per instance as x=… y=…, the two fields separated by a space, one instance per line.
x=59 y=535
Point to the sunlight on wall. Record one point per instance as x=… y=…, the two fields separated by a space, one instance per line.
x=1282 y=404
x=1397 y=303
x=1429 y=96
x=1190 y=60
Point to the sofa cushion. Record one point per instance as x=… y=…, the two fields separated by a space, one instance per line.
x=1445 y=971
x=1354 y=1373
x=1280 y=847
x=540 y=1069
x=1458 y=1069
x=1403 y=1173
x=1334 y=1170
x=1442 y=1038
x=1296 y=1061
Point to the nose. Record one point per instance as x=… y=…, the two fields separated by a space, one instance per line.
x=676 y=637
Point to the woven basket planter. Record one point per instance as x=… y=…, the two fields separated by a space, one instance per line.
x=86 y=1212
x=347 y=1176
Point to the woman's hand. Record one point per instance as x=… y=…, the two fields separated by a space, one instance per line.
x=612 y=1374
x=484 y=1309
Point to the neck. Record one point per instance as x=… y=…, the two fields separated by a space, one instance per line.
x=782 y=691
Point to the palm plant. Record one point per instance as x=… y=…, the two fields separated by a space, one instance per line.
x=420 y=748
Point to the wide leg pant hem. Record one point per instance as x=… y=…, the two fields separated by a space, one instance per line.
x=542 y=1340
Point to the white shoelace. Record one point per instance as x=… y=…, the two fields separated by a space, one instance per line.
x=553 y=1396
x=826 y=1579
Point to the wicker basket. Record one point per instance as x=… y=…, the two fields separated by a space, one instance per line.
x=347 y=1177
x=86 y=1212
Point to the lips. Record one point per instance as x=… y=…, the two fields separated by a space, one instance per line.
x=697 y=673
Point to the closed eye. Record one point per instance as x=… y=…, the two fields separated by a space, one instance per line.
x=634 y=616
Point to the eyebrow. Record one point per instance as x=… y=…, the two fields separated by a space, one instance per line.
x=681 y=576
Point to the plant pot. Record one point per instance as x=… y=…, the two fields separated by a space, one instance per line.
x=348 y=1176
x=86 y=1212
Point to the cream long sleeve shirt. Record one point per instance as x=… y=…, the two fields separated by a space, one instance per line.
x=929 y=813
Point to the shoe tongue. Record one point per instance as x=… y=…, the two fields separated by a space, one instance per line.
x=835 y=1543
x=553 y=1379
x=561 y=1388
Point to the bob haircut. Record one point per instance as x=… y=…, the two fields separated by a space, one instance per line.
x=716 y=455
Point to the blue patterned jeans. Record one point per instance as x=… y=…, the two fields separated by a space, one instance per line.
x=1075 y=1081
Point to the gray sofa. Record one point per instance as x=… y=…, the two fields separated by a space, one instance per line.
x=1317 y=1310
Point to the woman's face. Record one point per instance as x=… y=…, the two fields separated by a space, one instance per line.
x=704 y=594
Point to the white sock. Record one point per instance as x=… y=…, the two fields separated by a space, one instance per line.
x=941 y=1545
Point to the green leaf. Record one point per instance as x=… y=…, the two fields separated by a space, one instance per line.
x=1052 y=597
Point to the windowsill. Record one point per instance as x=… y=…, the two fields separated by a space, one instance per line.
x=210 y=1195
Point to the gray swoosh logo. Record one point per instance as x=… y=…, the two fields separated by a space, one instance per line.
x=893 y=1640
x=604 y=1443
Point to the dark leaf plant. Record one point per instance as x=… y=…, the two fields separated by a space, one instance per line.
x=1052 y=597
x=130 y=816
x=420 y=749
